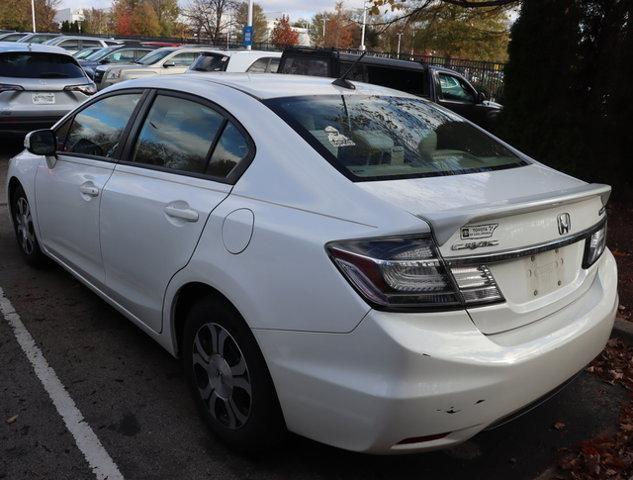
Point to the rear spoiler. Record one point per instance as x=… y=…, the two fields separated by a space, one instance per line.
x=446 y=223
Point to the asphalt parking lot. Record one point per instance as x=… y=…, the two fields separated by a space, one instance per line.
x=133 y=396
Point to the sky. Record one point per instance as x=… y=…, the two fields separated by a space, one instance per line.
x=295 y=8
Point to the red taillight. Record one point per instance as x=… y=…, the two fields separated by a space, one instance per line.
x=408 y=272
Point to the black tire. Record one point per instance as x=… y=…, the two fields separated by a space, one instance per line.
x=254 y=424
x=24 y=229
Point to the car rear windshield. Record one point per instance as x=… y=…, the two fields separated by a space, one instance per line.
x=210 y=62
x=384 y=137
x=38 y=65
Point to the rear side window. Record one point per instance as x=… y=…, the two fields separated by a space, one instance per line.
x=302 y=65
x=384 y=137
x=39 y=65
x=70 y=44
x=186 y=136
x=96 y=130
x=410 y=81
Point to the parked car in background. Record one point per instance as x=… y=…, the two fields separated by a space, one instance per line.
x=12 y=36
x=440 y=85
x=353 y=264
x=73 y=44
x=237 y=61
x=38 y=37
x=39 y=84
x=162 y=61
x=85 y=52
x=113 y=55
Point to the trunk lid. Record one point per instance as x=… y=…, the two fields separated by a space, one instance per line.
x=495 y=213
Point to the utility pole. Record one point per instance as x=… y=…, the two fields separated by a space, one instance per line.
x=33 y=14
x=399 y=38
x=250 y=20
x=362 y=33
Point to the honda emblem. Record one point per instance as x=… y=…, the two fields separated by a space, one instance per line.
x=564 y=223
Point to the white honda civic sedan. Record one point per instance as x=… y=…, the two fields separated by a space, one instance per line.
x=350 y=263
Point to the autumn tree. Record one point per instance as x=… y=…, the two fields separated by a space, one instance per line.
x=16 y=15
x=145 y=20
x=283 y=35
x=97 y=21
x=167 y=12
x=211 y=18
x=339 y=28
x=260 y=23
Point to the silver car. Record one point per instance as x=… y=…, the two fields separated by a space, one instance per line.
x=74 y=43
x=38 y=85
x=38 y=37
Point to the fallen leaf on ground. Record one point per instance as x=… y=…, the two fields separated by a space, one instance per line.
x=12 y=419
x=559 y=426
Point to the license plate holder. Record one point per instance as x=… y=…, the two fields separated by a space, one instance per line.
x=545 y=272
x=43 y=98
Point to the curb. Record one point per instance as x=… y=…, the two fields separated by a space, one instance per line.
x=623 y=329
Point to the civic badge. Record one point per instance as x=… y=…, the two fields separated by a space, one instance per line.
x=564 y=223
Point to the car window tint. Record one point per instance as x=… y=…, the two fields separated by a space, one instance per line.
x=274 y=65
x=97 y=129
x=177 y=134
x=410 y=81
x=210 y=62
x=231 y=149
x=91 y=43
x=306 y=66
x=258 y=66
x=39 y=65
x=455 y=89
x=184 y=59
x=69 y=44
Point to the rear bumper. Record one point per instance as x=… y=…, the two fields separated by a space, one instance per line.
x=399 y=376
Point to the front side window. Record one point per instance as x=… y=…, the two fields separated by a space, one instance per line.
x=97 y=129
x=184 y=59
x=91 y=43
x=382 y=137
x=306 y=65
x=455 y=89
x=39 y=65
x=121 y=56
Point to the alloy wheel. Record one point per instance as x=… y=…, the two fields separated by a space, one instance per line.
x=221 y=375
x=24 y=223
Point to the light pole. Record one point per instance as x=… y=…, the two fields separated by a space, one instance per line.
x=399 y=38
x=33 y=14
x=362 y=32
x=250 y=21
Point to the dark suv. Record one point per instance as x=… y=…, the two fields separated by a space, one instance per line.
x=441 y=85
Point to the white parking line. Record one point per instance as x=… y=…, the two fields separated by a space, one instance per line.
x=100 y=462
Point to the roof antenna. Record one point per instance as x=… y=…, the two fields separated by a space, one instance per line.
x=342 y=81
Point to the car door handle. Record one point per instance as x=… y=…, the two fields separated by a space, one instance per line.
x=89 y=189
x=187 y=214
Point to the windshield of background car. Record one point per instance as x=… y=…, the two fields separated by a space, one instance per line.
x=383 y=137
x=38 y=65
x=99 y=54
x=210 y=62
x=155 y=56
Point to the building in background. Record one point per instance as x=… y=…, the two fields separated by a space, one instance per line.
x=69 y=15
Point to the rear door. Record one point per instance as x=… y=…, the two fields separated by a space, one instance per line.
x=69 y=194
x=176 y=171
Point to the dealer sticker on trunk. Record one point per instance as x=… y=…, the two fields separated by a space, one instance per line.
x=476 y=232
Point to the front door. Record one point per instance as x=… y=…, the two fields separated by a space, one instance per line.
x=159 y=198
x=69 y=194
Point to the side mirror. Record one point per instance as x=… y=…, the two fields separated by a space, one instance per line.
x=482 y=96
x=41 y=142
x=168 y=64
